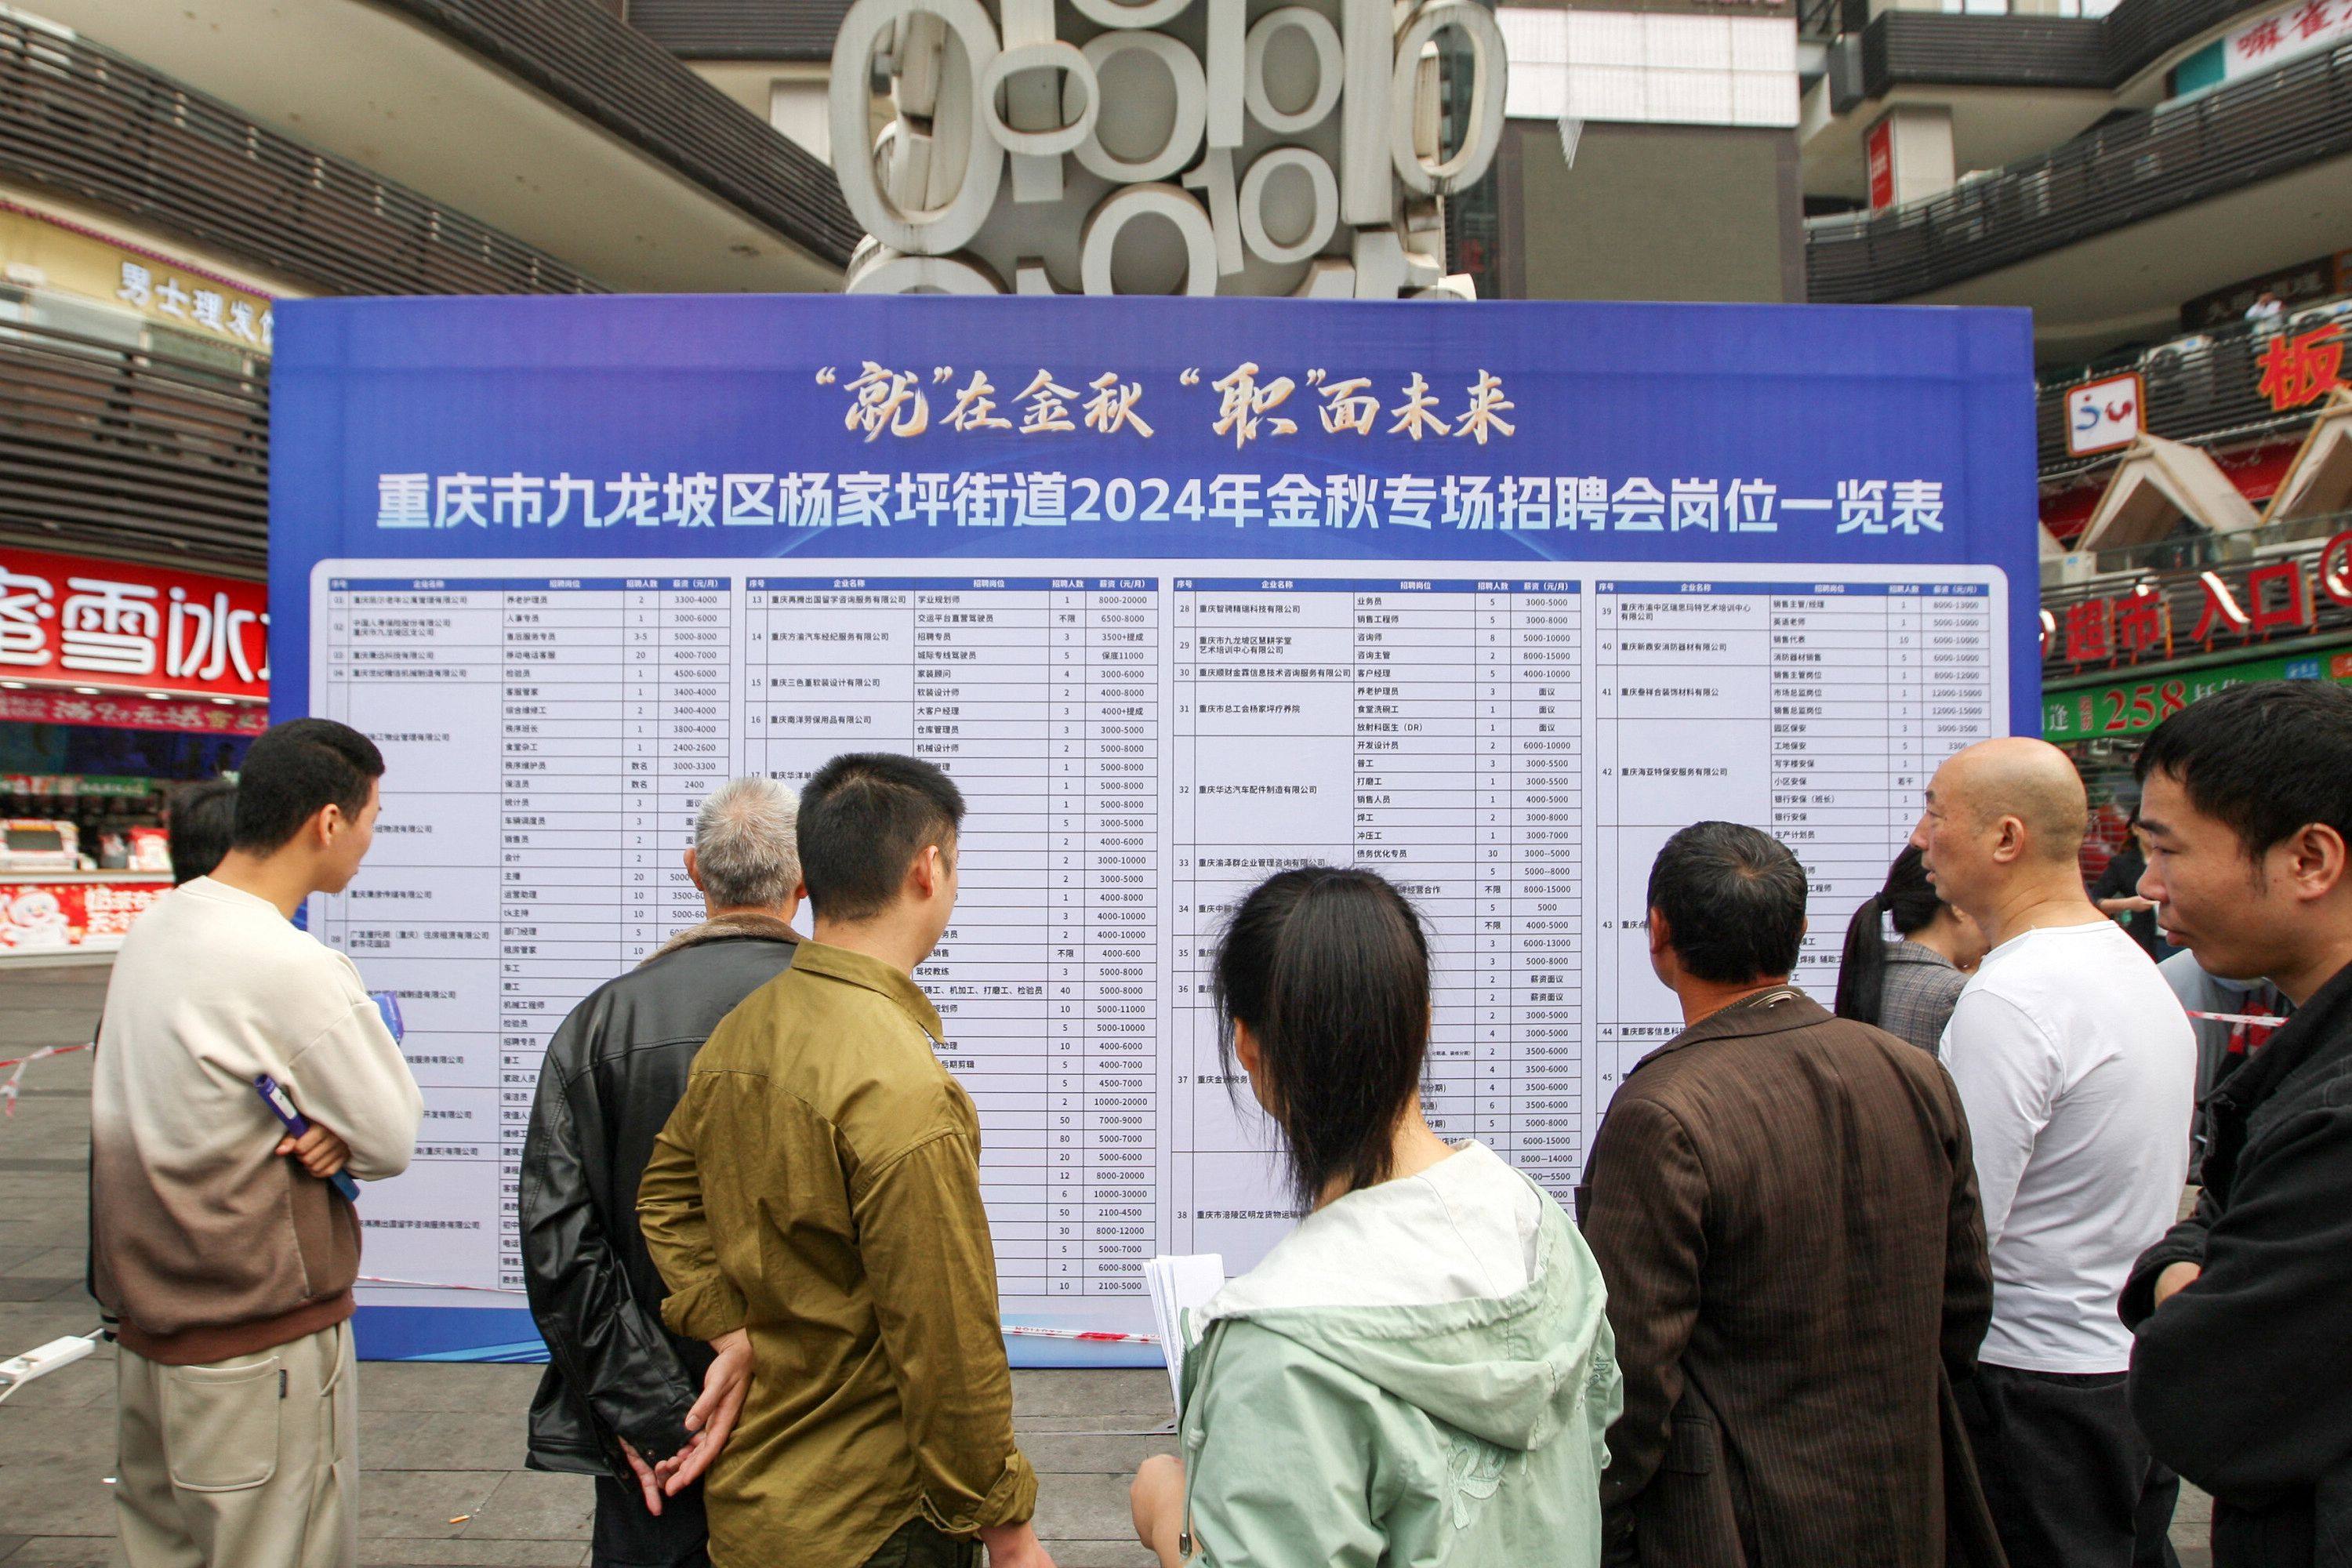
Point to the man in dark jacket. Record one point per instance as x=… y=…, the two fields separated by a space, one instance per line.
x=1785 y=1211
x=2242 y=1373
x=622 y=1399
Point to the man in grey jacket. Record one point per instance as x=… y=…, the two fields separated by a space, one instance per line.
x=622 y=1398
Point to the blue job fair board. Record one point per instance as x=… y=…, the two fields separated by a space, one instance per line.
x=1490 y=597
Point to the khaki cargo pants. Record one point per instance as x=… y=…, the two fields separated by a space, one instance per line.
x=251 y=1462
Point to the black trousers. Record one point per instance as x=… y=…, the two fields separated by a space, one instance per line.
x=2068 y=1479
x=628 y=1537
x=918 y=1544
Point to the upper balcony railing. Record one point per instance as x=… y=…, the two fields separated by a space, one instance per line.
x=2202 y=386
x=83 y=121
x=119 y=446
x=2120 y=174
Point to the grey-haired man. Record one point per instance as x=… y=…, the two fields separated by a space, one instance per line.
x=623 y=1400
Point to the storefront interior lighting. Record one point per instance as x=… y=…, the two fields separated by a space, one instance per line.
x=226 y=701
x=12 y=686
x=85 y=691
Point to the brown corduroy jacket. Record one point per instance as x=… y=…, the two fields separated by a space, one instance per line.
x=1785 y=1210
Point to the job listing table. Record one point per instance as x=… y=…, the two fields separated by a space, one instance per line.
x=1136 y=744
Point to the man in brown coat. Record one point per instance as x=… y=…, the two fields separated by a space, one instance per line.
x=1784 y=1209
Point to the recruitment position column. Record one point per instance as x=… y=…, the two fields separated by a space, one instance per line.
x=560 y=839
x=1415 y=822
x=981 y=706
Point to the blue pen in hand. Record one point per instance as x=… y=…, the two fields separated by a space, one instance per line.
x=297 y=1125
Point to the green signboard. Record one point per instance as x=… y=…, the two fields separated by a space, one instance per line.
x=2129 y=707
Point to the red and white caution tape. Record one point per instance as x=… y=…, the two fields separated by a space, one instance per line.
x=2257 y=1019
x=8 y=1089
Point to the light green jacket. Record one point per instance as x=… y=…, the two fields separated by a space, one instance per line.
x=1331 y=1421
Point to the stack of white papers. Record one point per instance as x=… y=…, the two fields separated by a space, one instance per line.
x=1179 y=1285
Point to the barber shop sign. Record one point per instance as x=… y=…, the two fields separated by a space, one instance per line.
x=1089 y=146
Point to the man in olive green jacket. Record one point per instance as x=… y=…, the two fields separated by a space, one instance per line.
x=818 y=1187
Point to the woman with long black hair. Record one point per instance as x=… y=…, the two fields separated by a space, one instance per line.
x=1422 y=1371
x=1908 y=986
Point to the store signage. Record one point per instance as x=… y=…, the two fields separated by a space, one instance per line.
x=2141 y=625
x=69 y=621
x=1028 y=137
x=70 y=786
x=2132 y=708
x=2302 y=368
x=2104 y=414
x=2304 y=28
x=76 y=260
x=60 y=916
x=199 y=716
x=1878 y=148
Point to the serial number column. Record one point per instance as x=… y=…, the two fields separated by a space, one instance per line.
x=559 y=840
x=980 y=687
x=1123 y=758
x=1547 y=884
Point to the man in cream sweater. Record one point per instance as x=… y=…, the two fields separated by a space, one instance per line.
x=218 y=1243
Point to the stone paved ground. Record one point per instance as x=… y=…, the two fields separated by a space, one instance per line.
x=437 y=1441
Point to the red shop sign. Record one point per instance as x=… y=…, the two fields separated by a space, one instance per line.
x=58 y=917
x=69 y=620
x=195 y=718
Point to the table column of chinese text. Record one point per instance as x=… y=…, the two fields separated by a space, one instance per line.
x=1830 y=741
x=981 y=702
x=561 y=837
x=1683 y=737
x=1273 y=783
x=426 y=677
x=1416 y=820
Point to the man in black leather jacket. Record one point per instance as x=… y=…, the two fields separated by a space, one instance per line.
x=2241 y=1372
x=622 y=1399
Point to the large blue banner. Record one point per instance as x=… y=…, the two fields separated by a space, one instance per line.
x=1490 y=597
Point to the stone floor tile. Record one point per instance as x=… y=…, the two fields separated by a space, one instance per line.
x=61 y=1551
x=1058 y=1453
x=472 y=1554
x=486 y=1439
x=1125 y=1392
x=419 y=1504
x=447 y=1385
x=536 y=1505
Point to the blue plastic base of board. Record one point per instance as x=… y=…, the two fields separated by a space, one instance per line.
x=507 y=1334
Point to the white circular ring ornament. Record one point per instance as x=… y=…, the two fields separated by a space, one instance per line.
x=887 y=271
x=1331 y=73
x=1077 y=72
x=1192 y=221
x=1191 y=99
x=1485 y=36
x=939 y=230
x=1253 y=204
x=1111 y=13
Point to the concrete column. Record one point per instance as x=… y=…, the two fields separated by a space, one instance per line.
x=1914 y=145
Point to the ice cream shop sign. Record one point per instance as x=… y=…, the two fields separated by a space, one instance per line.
x=94 y=628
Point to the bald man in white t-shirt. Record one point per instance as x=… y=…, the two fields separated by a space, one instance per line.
x=2077 y=1069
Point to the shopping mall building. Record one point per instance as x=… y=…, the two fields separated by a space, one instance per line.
x=2168 y=184
x=168 y=174
x=2139 y=177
